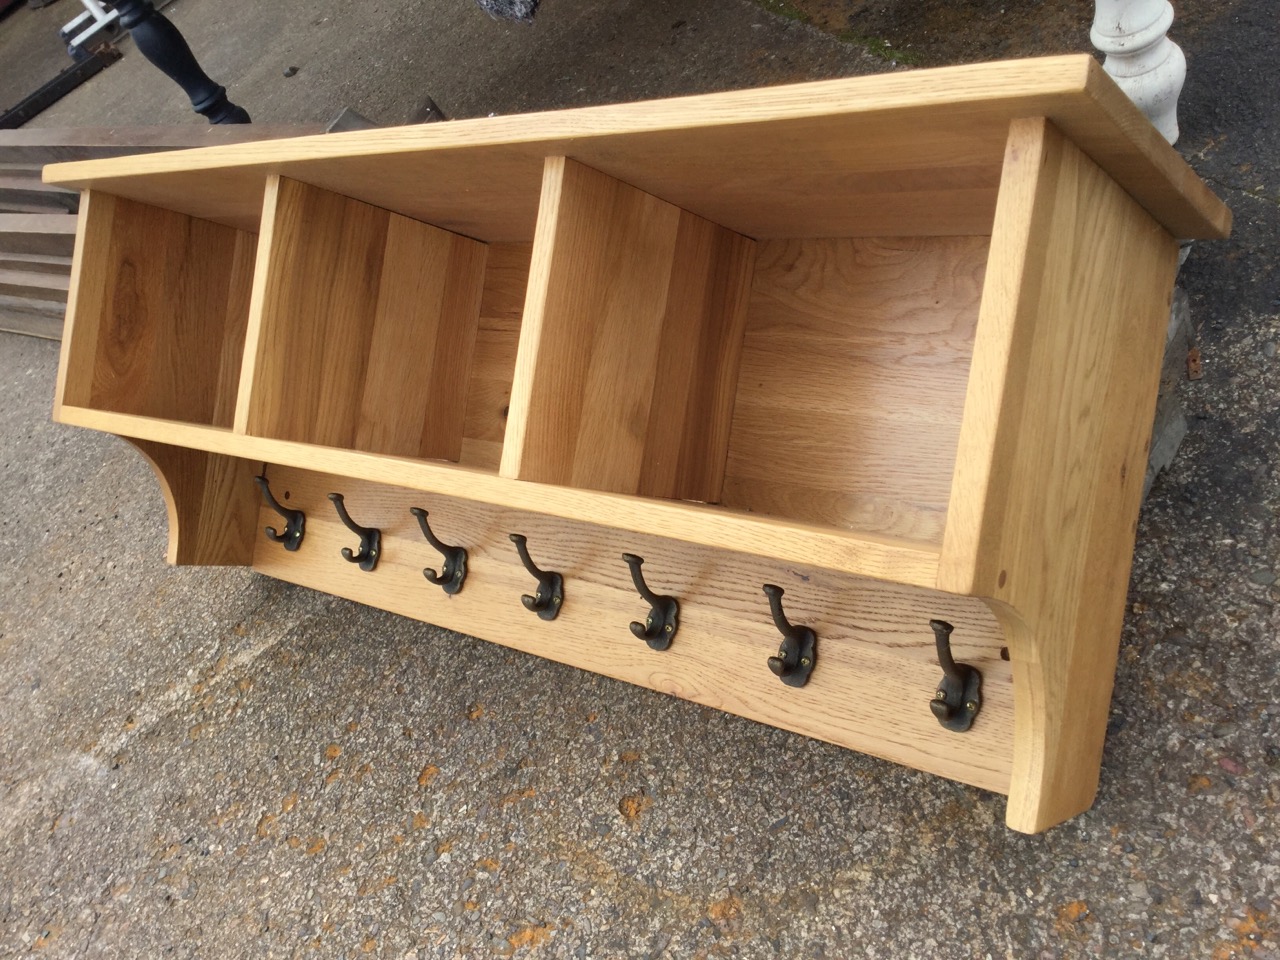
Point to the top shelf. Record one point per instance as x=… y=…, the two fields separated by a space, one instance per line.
x=903 y=154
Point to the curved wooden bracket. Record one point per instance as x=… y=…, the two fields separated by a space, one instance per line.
x=212 y=504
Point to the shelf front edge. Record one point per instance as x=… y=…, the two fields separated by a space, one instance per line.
x=880 y=558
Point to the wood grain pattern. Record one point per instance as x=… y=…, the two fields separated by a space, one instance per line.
x=866 y=554
x=876 y=665
x=1065 y=377
x=853 y=378
x=362 y=327
x=493 y=363
x=628 y=354
x=156 y=312
x=899 y=154
x=211 y=501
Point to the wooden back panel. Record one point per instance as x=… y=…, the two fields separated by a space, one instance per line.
x=363 y=323
x=156 y=314
x=853 y=381
x=630 y=342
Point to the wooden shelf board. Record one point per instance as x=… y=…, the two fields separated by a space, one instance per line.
x=916 y=152
x=880 y=558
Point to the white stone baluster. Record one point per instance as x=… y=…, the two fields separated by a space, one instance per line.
x=1147 y=65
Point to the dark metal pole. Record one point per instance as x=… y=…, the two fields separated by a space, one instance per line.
x=162 y=44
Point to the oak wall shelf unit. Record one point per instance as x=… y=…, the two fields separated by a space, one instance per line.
x=858 y=375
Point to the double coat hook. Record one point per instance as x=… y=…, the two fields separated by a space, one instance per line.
x=659 y=627
x=959 y=696
x=454 y=572
x=295 y=521
x=798 y=653
x=370 y=538
x=548 y=600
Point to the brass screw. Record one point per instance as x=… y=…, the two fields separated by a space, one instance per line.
x=804 y=661
x=939 y=695
x=971 y=706
x=668 y=628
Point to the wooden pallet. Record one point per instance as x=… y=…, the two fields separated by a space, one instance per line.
x=891 y=344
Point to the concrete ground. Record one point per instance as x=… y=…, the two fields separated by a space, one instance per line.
x=207 y=763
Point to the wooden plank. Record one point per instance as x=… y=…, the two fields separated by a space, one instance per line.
x=904 y=153
x=1065 y=376
x=854 y=372
x=148 y=311
x=48 y=234
x=424 y=331
x=876 y=667
x=313 y=307
x=698 y=359
x=211 y=501
x=363 y=327
x=869 y=555
x=629 y=346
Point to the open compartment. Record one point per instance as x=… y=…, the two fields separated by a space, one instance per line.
x=363 y=327
x=818 y=380
x=630 y=344
x=852 y=385
x=156 y=313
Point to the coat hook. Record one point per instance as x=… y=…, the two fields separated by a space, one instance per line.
x=550 y=596
x=659 y=627
x=799 y=651
x=370 y=537
x=455 y=558
x=959 y=696
x=295 y=524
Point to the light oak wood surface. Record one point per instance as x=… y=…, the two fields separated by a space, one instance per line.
x=1053 y=451
x=156 y=312
x=362 y=327
x=629 y=346
x=853 y=379
x=869 y=554
x=904 y=329
x=211 y=502
x=904 y=153
x=876 y=669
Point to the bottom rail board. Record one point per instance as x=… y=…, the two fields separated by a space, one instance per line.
x=876 y=667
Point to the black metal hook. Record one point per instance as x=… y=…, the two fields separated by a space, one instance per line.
x=546 y=603
x=959 y=696
x=798 y=653
x=295 y=521
x=370 y=537
x=454 y=572
x=659 y=627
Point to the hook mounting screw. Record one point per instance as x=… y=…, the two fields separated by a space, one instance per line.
x=454 y=572
x=798 y=654
x=958 y=698
x=659 y=627
x=370 y=537
x=295 y=521
x=548 y=600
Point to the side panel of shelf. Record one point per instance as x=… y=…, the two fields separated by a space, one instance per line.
x=156 y=314
x=1053 y=448
x=876 y=663
x=630 y=345
x=362 y=327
